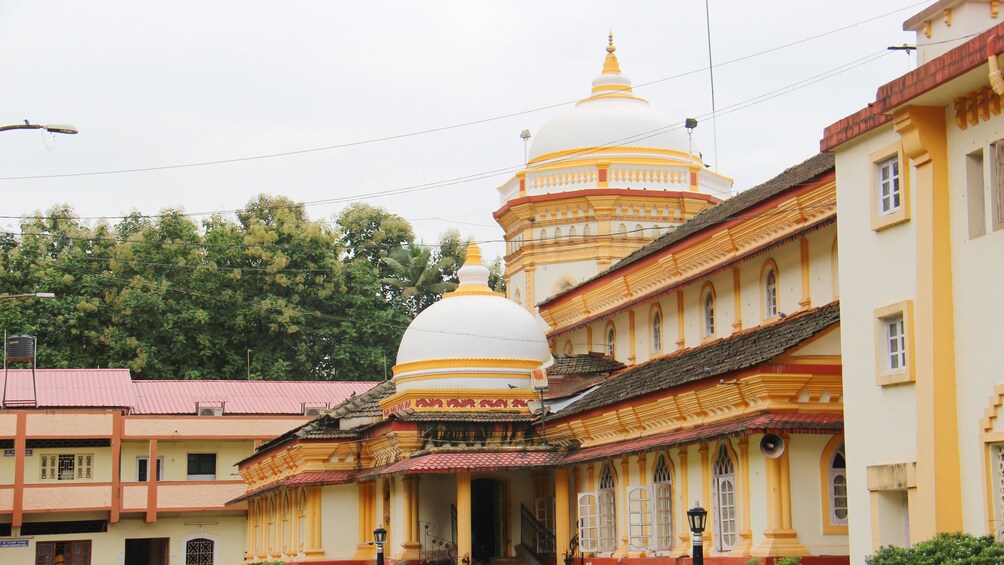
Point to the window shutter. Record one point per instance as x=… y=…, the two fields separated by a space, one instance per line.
x=588 y=522
x=640 y=518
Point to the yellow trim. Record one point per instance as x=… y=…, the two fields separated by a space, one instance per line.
x=462 y=363
x=835 y=268
x=706 y=495
x=806 y=300
x=681 y=340
x=632 y=339
x=569 y=349
x=565 y=279
x=883 y=376
x=532 y=166
x=737 y=323
x=824 y=480
x=610 y=346
x=683 y=547
x=882 y=221
x=462 y=375
x=745 y=544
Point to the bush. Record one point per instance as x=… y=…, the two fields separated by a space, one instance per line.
x=954 y=548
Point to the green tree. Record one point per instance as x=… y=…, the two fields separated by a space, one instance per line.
x=418 y=277
x=947 y=548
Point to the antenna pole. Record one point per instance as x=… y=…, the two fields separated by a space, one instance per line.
x=711 y=71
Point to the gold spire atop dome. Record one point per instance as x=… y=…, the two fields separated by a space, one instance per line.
x=473 y=255
x=473 y=275
x=610 y=64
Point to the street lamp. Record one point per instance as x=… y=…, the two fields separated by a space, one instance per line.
x=379 y=538
x=51 y=128
x=698 y=518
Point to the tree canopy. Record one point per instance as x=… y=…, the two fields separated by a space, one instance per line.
x=268 y=294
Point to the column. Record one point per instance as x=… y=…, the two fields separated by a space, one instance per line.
x=939 y=483
x=314 y=550
x=680 y=517
x=366 y=521
x=779 y=537
x=151 y=484
x=620 y=506
x=745 y=545
x=706 y=497
x=410 y=546
x=562 y=512
x=806 y=300
x=463 y=516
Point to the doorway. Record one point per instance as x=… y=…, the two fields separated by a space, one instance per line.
x=488 y=524
x=147 y=551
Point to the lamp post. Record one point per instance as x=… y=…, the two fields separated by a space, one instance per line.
x=379 y=538
x=51 y=128
x=698 y=518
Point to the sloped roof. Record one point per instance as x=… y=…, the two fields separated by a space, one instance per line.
x=733 y=353
x=583 y=364
x=474 y=461
x=792 y=177
x=71 y=388
x=241 y=397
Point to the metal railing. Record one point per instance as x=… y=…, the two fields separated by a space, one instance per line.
x=436 y=550
x=537 y=539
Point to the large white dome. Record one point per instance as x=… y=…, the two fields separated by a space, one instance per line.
x=473 y=323
x=611 y=117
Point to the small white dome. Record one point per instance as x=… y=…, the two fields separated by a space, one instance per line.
x=473 y=322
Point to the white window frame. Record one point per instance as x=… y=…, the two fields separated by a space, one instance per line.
x=997 y=487
x=895 y=343
x=708 y=313
x=606 y=498
x=140 y=478
x=770 y=293
x=890 y=193
x=589 y=527
x=203 y=477
x=723 y=482
x=662 y=481
x=838 y=483
x=641 y=527
x=657 y=331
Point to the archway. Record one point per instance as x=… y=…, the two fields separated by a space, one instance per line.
x=488 y=503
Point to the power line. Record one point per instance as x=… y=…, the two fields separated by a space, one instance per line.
x=710 y=68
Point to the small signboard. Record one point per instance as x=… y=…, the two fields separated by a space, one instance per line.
x=16 y=542
x=538 y=380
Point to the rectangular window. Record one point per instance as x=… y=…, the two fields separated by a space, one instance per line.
x=67 y=466
x=63 y=552
x=974 y=194
x=997 y=183
x=895 y=343
x=201 y=466
x=889 y=193
x=143 y=469
x=890 y=188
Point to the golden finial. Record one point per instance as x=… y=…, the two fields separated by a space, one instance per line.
x=473 y=254
x=610 y=47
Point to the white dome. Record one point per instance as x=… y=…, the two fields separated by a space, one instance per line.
x=473 y=323
x=475 y=326
x=598 y=123
x=611 y=117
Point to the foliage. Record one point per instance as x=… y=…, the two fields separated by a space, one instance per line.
x=788 y=560
x=418 y=276
x=947 y=548
x=268 y=294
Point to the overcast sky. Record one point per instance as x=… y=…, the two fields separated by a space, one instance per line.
x=176 y=83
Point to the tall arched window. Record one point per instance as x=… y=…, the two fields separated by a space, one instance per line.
x=838 y=488
x=586 y=231
x=569 y=348
x=723 y=484
x=607 y=511
x=571 y=233
x=770 y=292
x=557 y=233
x=611 y=341
x=708 y=312
x=657 y=331
x=663 y=482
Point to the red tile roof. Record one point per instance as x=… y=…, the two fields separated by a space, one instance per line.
x=242 y=397
x=114 y=388
x=70 y=388
x=468 y=461
x=964 y=58
x=763 y=423
x=309 y=479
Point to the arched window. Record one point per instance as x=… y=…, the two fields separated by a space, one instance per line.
x=586 y=231
x=663 y=482
x=557 y=233
x=543 y=236
x=622 y=230
x=708 y=311
x=723 y=484
x=657 y=330
x=639 y=230
x=611 y=341
x=571 y=233
x=656 y=230
x=517 y=298
x=769 y=291
x=607 y=511
x=200 y=551
x=569 y=348
x=838 y=488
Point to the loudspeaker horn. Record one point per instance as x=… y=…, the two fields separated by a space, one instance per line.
x=772 y=446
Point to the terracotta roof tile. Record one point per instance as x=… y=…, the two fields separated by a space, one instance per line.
x=70 y=388
x=733 y=353
x=468 y=461
x=308 y=479
x=763 y=423
x=241 y=397
x=583 y=364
